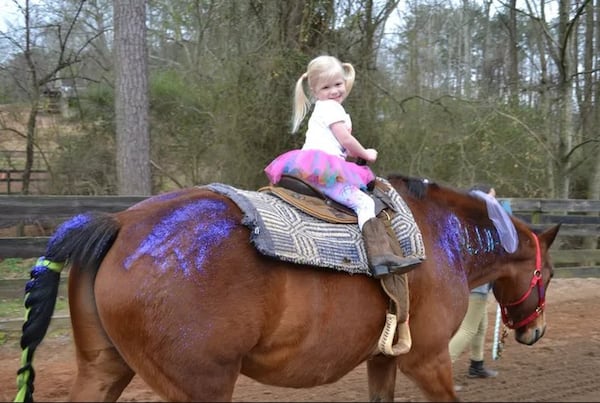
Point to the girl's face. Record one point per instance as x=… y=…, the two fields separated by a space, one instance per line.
x=333 y=88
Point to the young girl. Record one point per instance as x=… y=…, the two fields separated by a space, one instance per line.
x=322 y=159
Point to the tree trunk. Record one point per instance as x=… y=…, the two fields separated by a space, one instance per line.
x=513 y=55
x=565 y=103
x=590 y=110
x=34 y=98
x=131 y=98
x=467 y=59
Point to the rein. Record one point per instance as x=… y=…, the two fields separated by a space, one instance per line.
x=536 y=280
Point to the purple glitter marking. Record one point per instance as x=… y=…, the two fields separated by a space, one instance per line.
x=75 y=222
x=450 y=240
x=171 y=244
x=485 y=241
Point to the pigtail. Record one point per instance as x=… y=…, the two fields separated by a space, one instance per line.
x=301 y=103
x=349 y=74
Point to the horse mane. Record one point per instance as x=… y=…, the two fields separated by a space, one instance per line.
x=458 y=200
x=417 y=187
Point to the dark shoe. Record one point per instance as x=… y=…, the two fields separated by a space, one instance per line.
x=380 y=271
x=391 y=264
x=477 y=370
x=382 y=259
x=406 y=265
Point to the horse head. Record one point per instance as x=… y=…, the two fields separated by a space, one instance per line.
x=465 y=232
x=521 y=293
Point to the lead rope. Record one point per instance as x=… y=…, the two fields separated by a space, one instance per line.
x=499 y=336
x=502 y=339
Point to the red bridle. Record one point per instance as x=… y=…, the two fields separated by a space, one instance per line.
x=536 y=280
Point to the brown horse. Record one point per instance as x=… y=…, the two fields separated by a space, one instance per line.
x=171 y=289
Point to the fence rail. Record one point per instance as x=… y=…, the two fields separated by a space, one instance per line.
x=11 y=180
x=575 y=253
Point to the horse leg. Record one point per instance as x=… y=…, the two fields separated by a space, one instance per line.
x=381 y=373
x=432 y=374
x=102 y=374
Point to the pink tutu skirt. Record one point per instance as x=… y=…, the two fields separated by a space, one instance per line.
x=319 y=168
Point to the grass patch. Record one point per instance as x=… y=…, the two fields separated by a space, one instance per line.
x=11 y=268
x=14 y=308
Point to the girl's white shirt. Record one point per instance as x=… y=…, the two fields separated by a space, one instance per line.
x=319 y=135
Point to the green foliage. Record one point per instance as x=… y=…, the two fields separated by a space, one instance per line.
x=15 y=267
x=183 y=122
x=98 y=103
x=14 y=308
x=85 y=164
x=221 y=85
x=460 y=143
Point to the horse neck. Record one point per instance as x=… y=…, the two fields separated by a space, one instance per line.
x=492 y=262
x=461 y=225
x=484 y=269
x=484 y=257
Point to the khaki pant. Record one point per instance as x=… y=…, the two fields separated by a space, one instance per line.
x=472 y=329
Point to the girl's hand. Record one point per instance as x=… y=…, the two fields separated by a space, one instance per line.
x=370 y=155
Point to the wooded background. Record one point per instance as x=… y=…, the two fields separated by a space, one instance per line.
x=457 y=91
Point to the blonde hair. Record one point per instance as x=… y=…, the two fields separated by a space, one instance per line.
x=319 y=69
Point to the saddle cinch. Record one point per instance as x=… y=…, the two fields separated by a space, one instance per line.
x=312 y=201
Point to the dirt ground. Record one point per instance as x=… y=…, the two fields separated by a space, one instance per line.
x=564 y=366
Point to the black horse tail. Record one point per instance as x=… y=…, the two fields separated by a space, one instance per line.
x=82 y=241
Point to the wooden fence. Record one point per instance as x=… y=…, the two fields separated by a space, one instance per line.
x=11 y=181
x=575 y=253
x=579 y=218
x=12 y=166
x=44 y=213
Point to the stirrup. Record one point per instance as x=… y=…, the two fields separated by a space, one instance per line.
x=387 y=338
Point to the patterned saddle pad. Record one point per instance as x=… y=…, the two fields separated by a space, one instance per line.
x=281 y=231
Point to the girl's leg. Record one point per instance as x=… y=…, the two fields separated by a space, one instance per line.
x=354 y=198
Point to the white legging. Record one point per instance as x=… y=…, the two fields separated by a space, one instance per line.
x=354 y=198
x=472 y=329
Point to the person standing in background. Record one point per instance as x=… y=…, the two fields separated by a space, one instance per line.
x=473 y=328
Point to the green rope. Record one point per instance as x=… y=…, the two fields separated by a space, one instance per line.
x=23 y=377
x=50 y=265
x=24 y=373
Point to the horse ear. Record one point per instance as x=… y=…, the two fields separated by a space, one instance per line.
x=548 y=236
